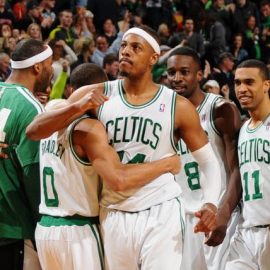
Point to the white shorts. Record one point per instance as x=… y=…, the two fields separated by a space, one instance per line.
x=148 y=240
x=69 y=247
x=216 y=257
x=193 y=252
x=250 y=249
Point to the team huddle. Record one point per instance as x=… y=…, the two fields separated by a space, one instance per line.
x=114 y=193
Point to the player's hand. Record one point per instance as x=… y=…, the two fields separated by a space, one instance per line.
x=207 y=216
x=174 y=164
x=91 y=100
x=217 y=236
x=2 y=154
x=42 y=97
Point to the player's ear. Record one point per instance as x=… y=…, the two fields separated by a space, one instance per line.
x=199 y=75
x=37 y=68
x=154 y=58
x=266 y=86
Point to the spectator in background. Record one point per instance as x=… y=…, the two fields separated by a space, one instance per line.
x=252 y=38
x=64 y=31
x=84 y=48
x=102 y=45
x=237 y=49
x=111 y=66
x=34 y=31
x=163 y=33
x=225 y=77
x=7 y=42
x=217 y=38
x=109 y=31
x=212 y=86
x=4 y=66
x=224 y=73
x=33 y=15
x=61 y=52
x=189 y=38
x=89 y=20
x=6 y=16
x=80 y=23
x=243 y=10
x=19 y=10
x=47 y=16
x=265 y=38
x=225 y=15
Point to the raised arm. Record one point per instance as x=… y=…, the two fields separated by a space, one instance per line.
x=228 y=123
x=188 y=128
x=90 y=139
x=81 y=101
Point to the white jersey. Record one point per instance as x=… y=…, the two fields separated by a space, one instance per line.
x=254 y=160
x=190 y=175
x=69 y=185
x=141 y=133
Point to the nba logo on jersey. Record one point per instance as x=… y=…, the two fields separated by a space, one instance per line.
x=203 y=118
x=268 y=126
x=162 y=107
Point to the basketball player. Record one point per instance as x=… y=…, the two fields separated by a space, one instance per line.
x=220 y=120
x=67 y=236
x=143 y=227
x=19 y=173
x=250 y=247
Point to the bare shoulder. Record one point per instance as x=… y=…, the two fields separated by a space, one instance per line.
x=82 y=91
x=90 y=126
x=184 y=111
x=226 y=116
x=224 y=107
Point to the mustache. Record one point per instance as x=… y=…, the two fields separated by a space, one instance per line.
x=126 y=60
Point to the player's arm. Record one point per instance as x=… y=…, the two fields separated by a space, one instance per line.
x=228 y=123
x=81 y=101
x=90 y=139
x=188 y=128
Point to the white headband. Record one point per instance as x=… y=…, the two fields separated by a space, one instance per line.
x=152 y=42
x=32 y=60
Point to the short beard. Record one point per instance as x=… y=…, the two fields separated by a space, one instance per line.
x=123 y=73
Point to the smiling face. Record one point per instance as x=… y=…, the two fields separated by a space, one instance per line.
x=183 y=74
x=136 y=56
x=251 y=88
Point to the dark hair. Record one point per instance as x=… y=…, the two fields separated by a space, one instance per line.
x=188 y=52
x=253 y=63
x=264 y=3
x=26 y=49
x=151 y=32
x=109 y=59
x=87 y=73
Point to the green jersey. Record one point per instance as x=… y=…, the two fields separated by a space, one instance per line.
x=19 y=175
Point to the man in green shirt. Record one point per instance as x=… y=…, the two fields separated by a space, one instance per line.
x=19 y=178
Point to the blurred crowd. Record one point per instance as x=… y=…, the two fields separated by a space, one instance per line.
x=223 y=32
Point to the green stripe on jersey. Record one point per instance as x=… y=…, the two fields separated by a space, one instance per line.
x=121 y=93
